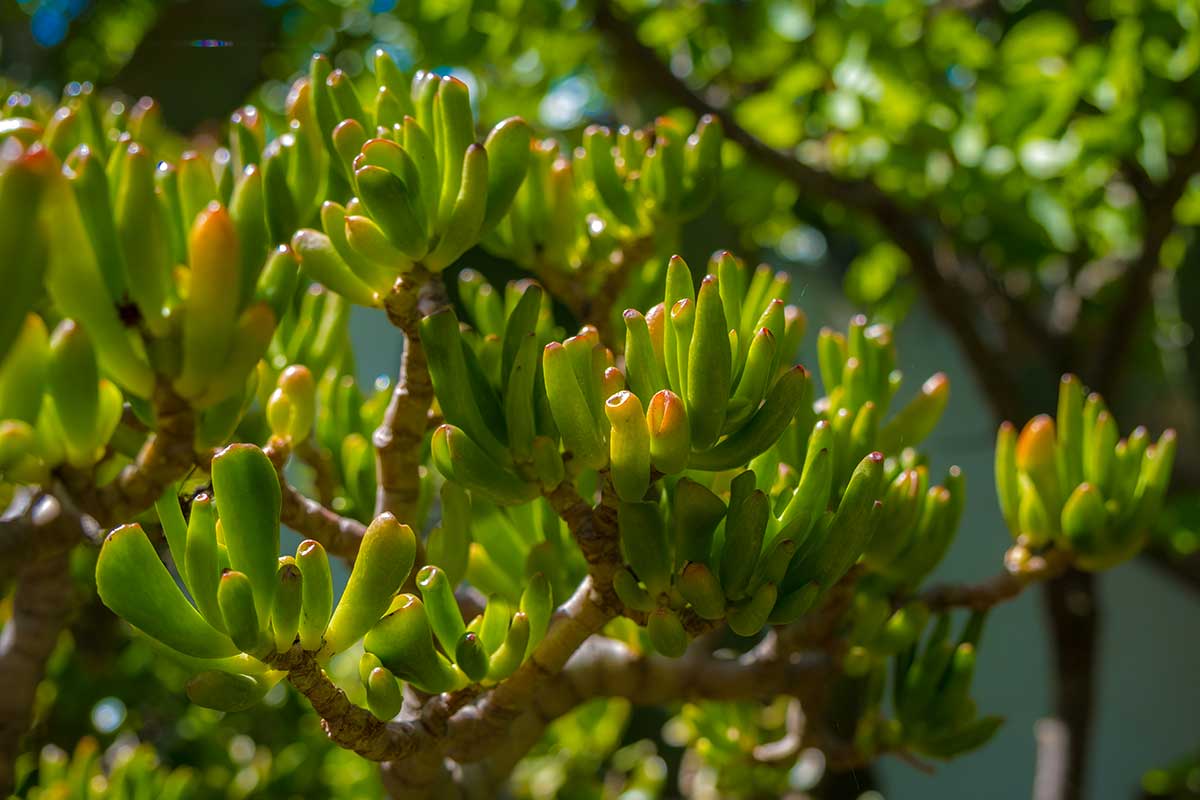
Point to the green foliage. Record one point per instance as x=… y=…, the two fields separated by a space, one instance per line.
x=1078 y=486
x=1176 y=780
x=134 y=773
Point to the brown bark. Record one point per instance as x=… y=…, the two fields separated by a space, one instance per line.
x=346 y=724
x=340 y=536
x=42 y=605
x=398 y=440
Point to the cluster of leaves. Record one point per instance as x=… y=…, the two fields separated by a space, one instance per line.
x=156 y=270
x=1079 y=486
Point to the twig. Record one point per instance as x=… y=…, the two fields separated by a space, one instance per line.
x=919 y=764
x=346 y=724
x=1074 y=624
x=596 y=532
x=563 y=286
x=571 y=665
x=474 y=729
x=42 y=604
x=607 y=668
x=593 y=529
x=590 y=301
x=339 y=535
x=999 y=588
x=399 y=437
x=321 y=463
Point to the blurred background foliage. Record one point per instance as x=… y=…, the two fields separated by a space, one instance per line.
x=1037 y=150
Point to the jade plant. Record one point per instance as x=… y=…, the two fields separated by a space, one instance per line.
x=609 y=478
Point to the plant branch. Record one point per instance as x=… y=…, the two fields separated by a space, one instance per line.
x=485 y=733
x=592 y=605
x=321 y=463
x=346 y=724
x=603 y=667
x=1062 y=743
x=1018 y=576
x=399 y=438
x=166 y=457
x=42 y=604
x=798 y=665
x=817 y=629
x=593 y=529
x=1070 y=600
x=339 y=535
